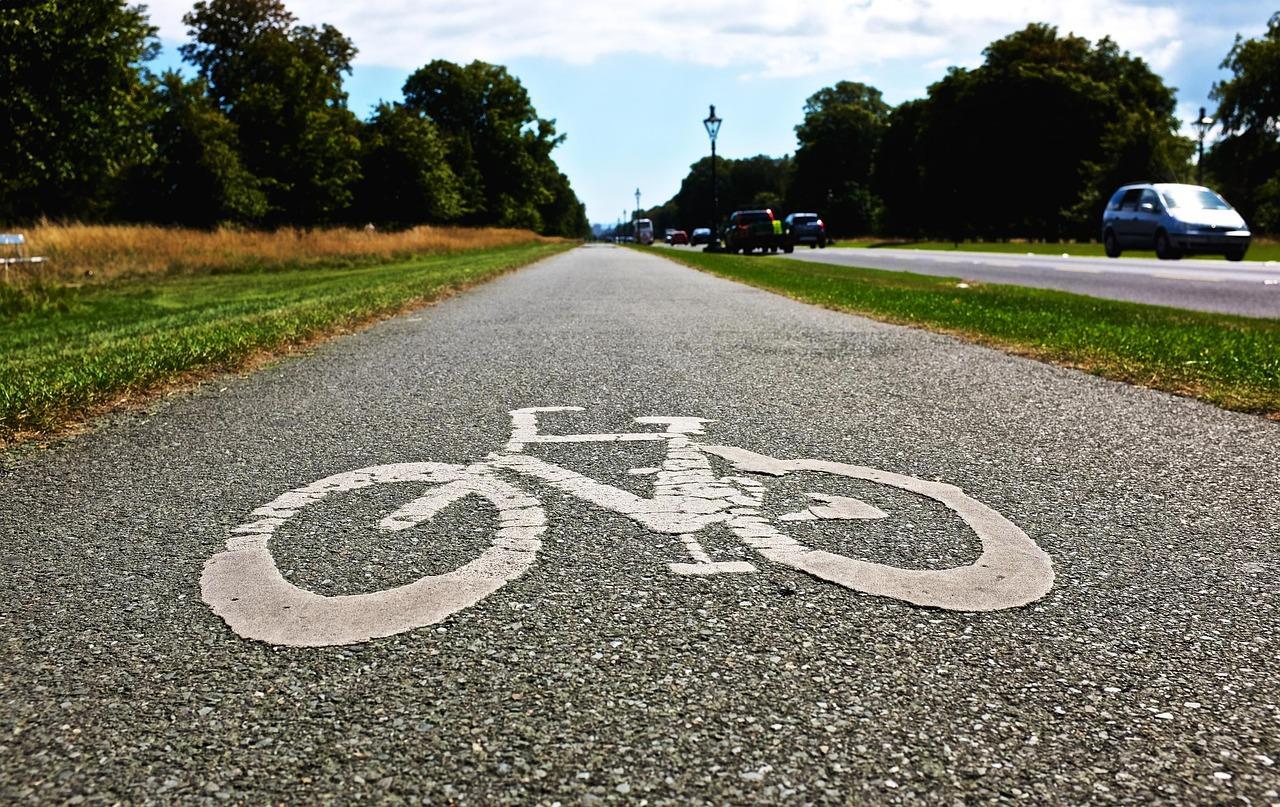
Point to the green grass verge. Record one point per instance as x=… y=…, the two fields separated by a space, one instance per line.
x=67 y=350
x=1257 y=252
x=1233 y=362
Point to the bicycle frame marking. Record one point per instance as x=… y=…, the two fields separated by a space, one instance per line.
x=243 y=585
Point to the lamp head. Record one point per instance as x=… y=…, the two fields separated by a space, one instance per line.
x=713 y=124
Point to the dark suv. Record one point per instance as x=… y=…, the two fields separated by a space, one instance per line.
x=753 y=229
x=805 y=228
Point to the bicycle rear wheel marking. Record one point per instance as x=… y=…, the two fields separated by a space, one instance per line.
x=243 y=586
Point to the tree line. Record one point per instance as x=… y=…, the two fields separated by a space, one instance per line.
x=260 y=134
x=1030 y=144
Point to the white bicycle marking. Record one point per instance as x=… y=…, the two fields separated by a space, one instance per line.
x=243 y=585
x=838 y=508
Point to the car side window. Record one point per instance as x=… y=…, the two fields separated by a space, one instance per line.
x=1130 y=200
x=1149 y=198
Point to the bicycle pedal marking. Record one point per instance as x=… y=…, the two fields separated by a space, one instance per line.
x=243 y=585
x=836 y=508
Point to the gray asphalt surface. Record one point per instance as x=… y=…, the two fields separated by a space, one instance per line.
x=1248 y=288
x=1148 y=673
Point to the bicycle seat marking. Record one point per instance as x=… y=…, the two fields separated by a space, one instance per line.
x=243 y=585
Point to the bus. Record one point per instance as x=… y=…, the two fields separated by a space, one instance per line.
x=644 y=231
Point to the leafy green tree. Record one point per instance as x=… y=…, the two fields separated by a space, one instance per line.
x=564 y=214
x=1245 y=163
x=1250 y=99
x=73 y=103
x=1029 y=143
x=897 y=178
x=195 y=177
x=281 y=85
x=1135 y=145
x=498 y=146
x=406 y=174
x=837 y=142
x=756 y=182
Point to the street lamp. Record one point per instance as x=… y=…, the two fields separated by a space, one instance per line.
x=637 y=201
x=713 y=128
x=1202 y=124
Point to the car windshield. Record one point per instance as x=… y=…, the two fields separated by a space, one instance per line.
x=1193 y=199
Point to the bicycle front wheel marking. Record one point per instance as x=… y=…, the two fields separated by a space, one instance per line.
x=243 y=585
x=1011 y=571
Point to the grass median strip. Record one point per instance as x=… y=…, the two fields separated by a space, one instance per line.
x=1230 y=361
x=67 y=350
x=1263 y=252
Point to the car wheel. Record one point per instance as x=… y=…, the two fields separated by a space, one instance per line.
x=789 y=249
x=1164 y=249
x=1111 y=244
x=1235 y=255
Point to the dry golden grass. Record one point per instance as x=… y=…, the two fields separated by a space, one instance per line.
x=77 y=252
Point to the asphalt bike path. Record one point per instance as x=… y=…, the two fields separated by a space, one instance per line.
x=610 y=528
x=1247 y=288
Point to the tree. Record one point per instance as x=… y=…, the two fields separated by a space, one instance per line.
x=498 y=146
x=1250 y=99
x=564 y=215
x=73 y=103
x=1071 y=114
x=896 y=176
x=406 y=178
x=195 y=176
x=837 y=142
x=281 y=85
x=1246 y=161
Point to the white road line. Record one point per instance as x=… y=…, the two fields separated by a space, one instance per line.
x=1198 y=277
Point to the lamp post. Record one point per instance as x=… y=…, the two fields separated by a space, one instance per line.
x=637 y=202
x=1202 y=124
x=713 y=128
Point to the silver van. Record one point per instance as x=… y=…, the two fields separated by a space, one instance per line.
x=1174 y=220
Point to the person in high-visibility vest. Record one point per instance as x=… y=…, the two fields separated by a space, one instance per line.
x=777 y=232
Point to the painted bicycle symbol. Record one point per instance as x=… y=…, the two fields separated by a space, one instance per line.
x=243 y=585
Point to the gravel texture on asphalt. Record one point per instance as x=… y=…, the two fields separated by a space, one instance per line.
x=1148 y=673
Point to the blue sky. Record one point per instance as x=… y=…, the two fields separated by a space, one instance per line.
x=631 y=89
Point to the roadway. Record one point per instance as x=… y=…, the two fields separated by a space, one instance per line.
x=1137 y=527
x=1246 y=288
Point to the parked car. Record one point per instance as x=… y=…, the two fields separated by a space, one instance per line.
x=678 y=237
x=700 y=235
x=805 y=228
x=1174 y=220
x=753 y=229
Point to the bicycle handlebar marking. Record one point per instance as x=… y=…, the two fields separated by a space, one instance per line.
x=243 y=585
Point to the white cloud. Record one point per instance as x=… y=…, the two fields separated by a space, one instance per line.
x=782 y=39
